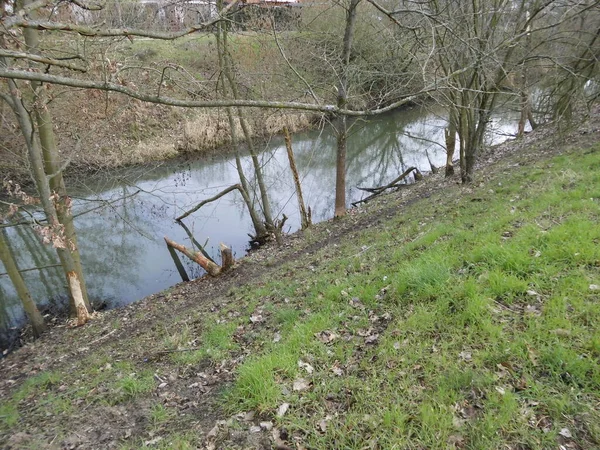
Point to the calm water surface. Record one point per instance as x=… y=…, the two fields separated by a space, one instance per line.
x=122 y=247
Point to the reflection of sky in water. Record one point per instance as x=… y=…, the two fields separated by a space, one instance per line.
x=122 y=246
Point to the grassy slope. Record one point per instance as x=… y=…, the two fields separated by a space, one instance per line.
x=467 y=320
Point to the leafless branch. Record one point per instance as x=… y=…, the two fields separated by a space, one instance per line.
x=42 y=60
x=19 y=21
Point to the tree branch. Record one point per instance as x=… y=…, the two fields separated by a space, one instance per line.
x=41 y=59
x=46 y=25
x=208 y=200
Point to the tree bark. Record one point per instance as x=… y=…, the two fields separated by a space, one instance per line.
x=212 y=268
x=36 y=161
x=8 y=260
x=175 y=257
x=450 y=135
x=342 y=101
x=304 y=217
x=82 y=312
x=258 y=172
x=259 y=227
x=52 y=160
x=227 y=260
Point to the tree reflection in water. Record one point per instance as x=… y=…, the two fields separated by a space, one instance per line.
x=122 y=247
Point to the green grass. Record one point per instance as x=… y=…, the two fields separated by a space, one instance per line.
x=464 y=324
x=493 y=338
x=160 y=414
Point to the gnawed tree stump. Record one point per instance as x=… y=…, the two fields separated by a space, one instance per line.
x=227 y=260
x=212 y=268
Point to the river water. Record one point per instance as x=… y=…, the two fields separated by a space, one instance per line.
x=122 y=247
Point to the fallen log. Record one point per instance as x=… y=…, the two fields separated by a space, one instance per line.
x=375 y=191
x=197 y=244
x=211 y=267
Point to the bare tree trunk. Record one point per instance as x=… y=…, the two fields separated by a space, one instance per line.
x=175 y=257
x=8 y=260
x=52 y=162
x=258 y=172
x=450 y=135
x=524 y=114
x=342 y=101
x=38 y=173
x=304 y=216
x=463 y=137
x=226 y=257
x=259 y=227
x=340 y=167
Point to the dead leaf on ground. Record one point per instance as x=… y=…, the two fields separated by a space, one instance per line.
x=301 y=385
x=533 y=356
x=323 y=423
x=465 y=356
x=337 y=370
x=565 y=432
x=372 y=339
x=283 y=408
x=456 y=441
x=326 y=336
x=356 y=303
x=364 y=333
x=256 y=318
x=266 y=426
x=306 y=366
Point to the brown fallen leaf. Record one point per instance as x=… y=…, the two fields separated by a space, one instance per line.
x=256 y=318
x=356 y=303
x=465 y=356
x=326 y=337
x=364 y=333
x=337 y=370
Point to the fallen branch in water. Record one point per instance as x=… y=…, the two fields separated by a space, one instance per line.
x=375 y=191
x=208 y=200
x=199 y=246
